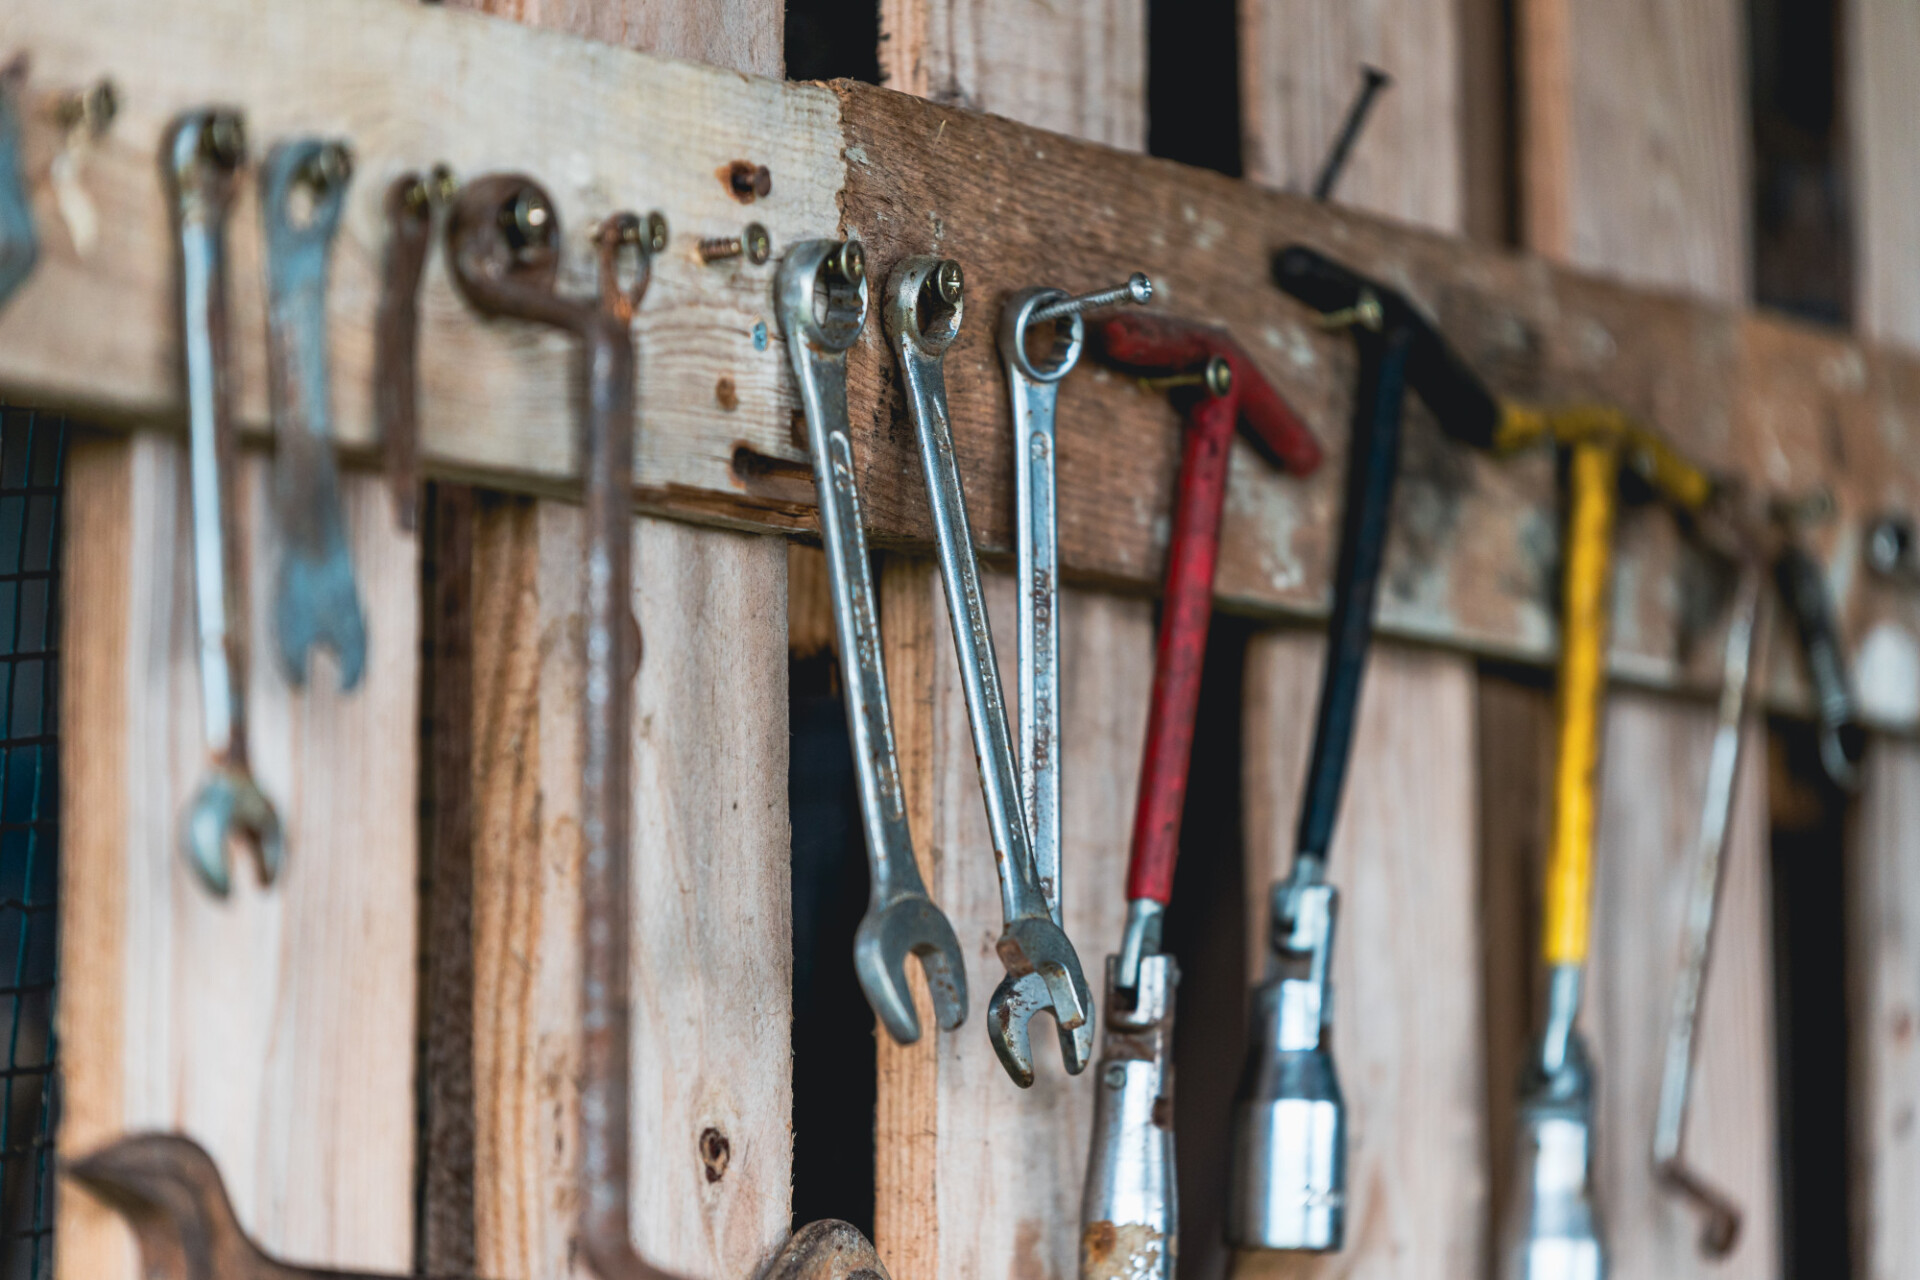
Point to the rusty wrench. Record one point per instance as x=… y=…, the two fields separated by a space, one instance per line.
x=408 y=207
x=19 y=245
x=901 y=920
x=204 y=152
x=1034 y=390
x=315 y=599
x=1749 y=623
x=1031 y=941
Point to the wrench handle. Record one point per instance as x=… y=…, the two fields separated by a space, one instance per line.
x=1039 y=636
x=1373 y=464
x=1182 y=646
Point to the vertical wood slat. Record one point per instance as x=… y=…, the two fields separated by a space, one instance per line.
x=974 y=1176
x=1882 y=43
x=712 y=931
x=1407 y=1025
x=746 y=35
x=1299 y=71
x=276 y=1027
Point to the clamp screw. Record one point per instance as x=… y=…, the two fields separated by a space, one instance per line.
x=849 y=262
x=1216 y=376
x=948 y=281
x=754 y=243
x=1138 y=290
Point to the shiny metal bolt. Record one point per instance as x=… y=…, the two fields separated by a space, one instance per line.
x=1367 y=313
x=330 y=167
x=527 y=220
x=849 y=262
x=948 y=281
x=225 y=140
x=1216 y=376
x=753 y=243
x=1137 y=290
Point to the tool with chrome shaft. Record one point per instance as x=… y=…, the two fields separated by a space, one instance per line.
x=1288 y=1186
x=1721 y=1224
x=204 y=153
x=315 y=599
x=924 y=308
x=503 y=242
x=1129 y=1221
x=1034 y=389
x=901 y=920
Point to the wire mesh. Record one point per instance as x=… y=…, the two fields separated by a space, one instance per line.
x=32 y=457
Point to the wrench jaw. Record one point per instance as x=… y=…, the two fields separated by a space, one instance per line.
x=910 y=926
x=1043 y=974
x=229 y=804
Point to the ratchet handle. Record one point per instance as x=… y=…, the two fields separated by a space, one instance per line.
x=1462 y=404
x=1163 y=343
x=1593 y=481
x=1372 y=467
x=1182 y=647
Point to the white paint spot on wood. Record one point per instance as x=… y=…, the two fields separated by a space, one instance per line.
x=1886 y=675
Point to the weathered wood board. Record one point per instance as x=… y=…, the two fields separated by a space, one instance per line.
x=974 y=1175
x=275 y=1027
x=1470 y=565
x=1407 y=1034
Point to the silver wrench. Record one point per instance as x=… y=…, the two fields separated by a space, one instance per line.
x=315 y=599
x=821 y=299
x=1034 y=389
x=1722 y=1225
x=1031 y=940
x=204 y=152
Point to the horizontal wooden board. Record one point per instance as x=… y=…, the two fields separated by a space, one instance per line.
x=1472 y=559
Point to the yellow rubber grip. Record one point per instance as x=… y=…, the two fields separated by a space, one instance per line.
x=1593 y=481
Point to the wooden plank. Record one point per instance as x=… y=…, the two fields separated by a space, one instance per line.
x=712 y=937
x=976 y=1177
x=1077 y=67
x=1884 y=957
x=1470 y=567
x=276 y=1028
x=743 y=34
x=1656 y=91
x=1407 y=1018
x=1652 y=778
x=1300 y=69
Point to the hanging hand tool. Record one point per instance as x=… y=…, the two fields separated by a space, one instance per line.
x=1034 y=388
x=1803 y=587
x=923 y=312
x=901 y=920
x=1290 y=1133
x=1129 y=1206
x=1748 y=624
x=315 y=599
x=204 y=152
x=1372 y=81
x=409 y=208
x=19 y=245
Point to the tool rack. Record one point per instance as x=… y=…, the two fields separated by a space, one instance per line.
x=282 y=1028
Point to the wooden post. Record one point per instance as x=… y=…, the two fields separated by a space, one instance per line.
x=275 y=1027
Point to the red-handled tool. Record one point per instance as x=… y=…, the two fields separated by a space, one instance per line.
x=1232 y=392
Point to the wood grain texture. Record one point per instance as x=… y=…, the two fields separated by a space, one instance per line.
x=277 y=1027
x=1884 y=1002
x=1407 y=1015
x=1077 y=67
x=1652 y=90
x=746 y=35
x=1299 y=72
x=1652 y=775
x=1882 y=49
x=976 y=1177
x=1470 y=565
x=712 y=937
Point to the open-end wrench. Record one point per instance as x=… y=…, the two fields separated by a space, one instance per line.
x=204 y=152
x=19 y=244
x=923 y=312
x=1722 y=1216
x=1034 y=388
x=303 y=188
x=901 y=920
x=408 y=207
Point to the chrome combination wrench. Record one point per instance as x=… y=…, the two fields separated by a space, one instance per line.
x=204 y=153
x=821 y=299
x=924 y=310
x=303 y=187
x=1049 y=317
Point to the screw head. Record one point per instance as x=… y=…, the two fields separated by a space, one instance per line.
x=757 y=244
x=330 y=167
x=1218 y=376
x=1116 y=1075
x=527 y=220
x=849 y=262
x=441 y=183
x=1140 y=288
x=949 y=281
x=224 y=141
x=653 y=235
